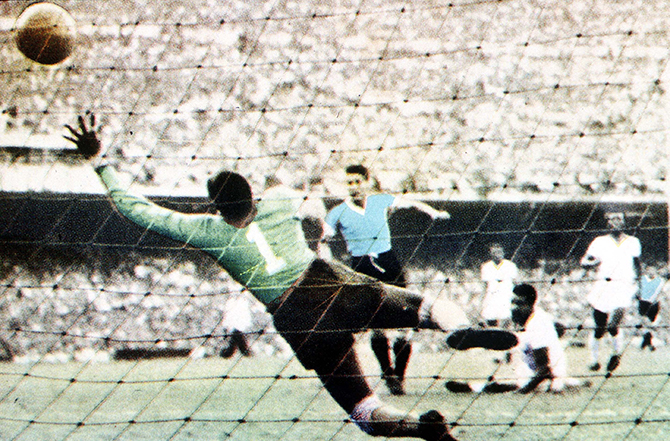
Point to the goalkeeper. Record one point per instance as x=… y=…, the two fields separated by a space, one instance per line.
x=317 y=306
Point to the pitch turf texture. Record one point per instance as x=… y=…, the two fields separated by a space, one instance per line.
x=272 y=398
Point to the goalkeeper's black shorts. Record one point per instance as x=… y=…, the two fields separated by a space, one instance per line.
x=319 y=316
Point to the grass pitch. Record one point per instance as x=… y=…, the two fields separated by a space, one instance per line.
x=274 y=398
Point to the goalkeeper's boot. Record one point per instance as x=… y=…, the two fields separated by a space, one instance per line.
x=392 y=423
x=494 y=339
x=433 y=428
x=458 y=387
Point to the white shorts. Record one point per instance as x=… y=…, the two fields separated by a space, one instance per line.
x=606 y=296
x=497 y=306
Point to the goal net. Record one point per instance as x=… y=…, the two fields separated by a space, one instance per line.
x=523 y=119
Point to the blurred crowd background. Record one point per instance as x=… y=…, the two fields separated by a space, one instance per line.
x=452 y=99
x=77 y=310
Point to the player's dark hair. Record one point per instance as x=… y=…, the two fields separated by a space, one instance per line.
x=358 y=169
x=526 y=292
x=613 y=208
x=231 y=194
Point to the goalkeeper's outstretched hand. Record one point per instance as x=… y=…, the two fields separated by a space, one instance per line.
x=85 y=138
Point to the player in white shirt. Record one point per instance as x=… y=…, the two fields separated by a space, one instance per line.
x=539 y=356
x=238 y=321
x=616 y=258
x=499 y=275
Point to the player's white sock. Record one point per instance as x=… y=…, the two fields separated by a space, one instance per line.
x=557 y=384
x=595 y=349
x=362 y=413
x=477 y=386
x=446 y=314
x=378 y=419
x=616 y=343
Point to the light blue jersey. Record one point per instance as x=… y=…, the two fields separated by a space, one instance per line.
x=365 y=231
x=650 y=288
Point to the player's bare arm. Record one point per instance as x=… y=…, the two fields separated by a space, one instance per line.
x=404 y=202
x=589 y=261
x=542 y=372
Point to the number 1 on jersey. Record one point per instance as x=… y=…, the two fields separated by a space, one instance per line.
x=273 y=263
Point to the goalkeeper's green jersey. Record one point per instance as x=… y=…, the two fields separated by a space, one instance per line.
x=266 y=257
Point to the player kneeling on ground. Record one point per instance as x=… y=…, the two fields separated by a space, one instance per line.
x=316 y=305
x=539 y=355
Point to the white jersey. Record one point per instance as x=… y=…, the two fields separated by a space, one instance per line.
x=616 y=283
x=237 y=313
x=539 y=332
x=499 y=280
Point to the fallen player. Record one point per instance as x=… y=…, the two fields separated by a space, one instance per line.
x=539 y=357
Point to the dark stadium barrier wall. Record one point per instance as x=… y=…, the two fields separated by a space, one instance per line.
x=69 y=225
x=529 y=231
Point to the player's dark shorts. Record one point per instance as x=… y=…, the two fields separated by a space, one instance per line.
x=330 y=304
x=312 y=227
x=648 y=309
x=384 y=267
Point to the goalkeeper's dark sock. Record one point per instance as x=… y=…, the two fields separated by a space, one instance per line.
x=613 y=363
x=499 y=388
x=458 y=387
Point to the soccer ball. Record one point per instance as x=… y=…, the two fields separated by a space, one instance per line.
x=45 y=33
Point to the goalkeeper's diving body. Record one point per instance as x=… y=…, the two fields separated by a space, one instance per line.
x=317 y=306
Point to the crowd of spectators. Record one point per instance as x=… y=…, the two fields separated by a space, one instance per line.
x=457 y=101
x=73 y=311
x=82 y=311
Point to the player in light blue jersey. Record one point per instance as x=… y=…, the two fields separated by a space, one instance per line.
x=362 y=219
x=649 y=305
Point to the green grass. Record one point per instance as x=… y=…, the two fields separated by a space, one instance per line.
x=271 y=398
